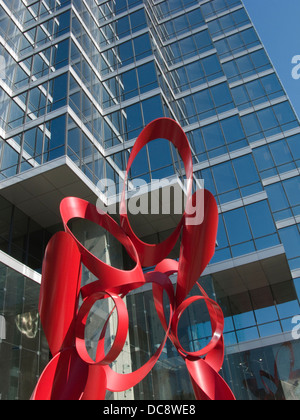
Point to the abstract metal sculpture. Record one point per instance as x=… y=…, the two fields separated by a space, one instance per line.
x=72 y=373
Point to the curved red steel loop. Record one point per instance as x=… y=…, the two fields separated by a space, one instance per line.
x=72 y=373
x=151 y=255
x=121 y=334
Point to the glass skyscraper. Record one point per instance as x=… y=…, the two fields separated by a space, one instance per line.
x=80 y=79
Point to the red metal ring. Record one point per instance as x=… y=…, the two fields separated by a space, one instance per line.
x=121 y=334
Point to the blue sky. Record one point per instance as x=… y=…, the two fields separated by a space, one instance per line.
x=278 y=24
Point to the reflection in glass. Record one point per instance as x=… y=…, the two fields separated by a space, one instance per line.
x=27 y=323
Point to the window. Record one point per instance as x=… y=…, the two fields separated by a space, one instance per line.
x=257 y=91
x=58 y=90
x=285 y=116
x=167 y=8
x=251 y=126
x=152 y=109
x=138 y=20
x=140 y=165
x=280 y=152
x=272 y=86
x=182 y=24
x=277 y=197
x=126 y=53
x=224 y=177
x=142 y=46
x=217 y=6
x=231 y=70
x=195 y=73
x=123 y=27
x=222 y=236
x=159 y=154
x=237 y=226
x=204 y=104
x=189 y=47
x=228 y=22
x=196 y=139
x=10 y=159
x=260 y=218
x=267 y=119
x=245 y=170
x=291 y=240
x=222 y=97
x=147 y=77
x=232 y=129
x=263 y=158
x=294 y=144
x=245 y=65
x=292 y=189
x=237 y=43
x=241 y=97
x=208 y=180
x=129 y=84
x=212 y=67
x=134 y=120
x=213 y=136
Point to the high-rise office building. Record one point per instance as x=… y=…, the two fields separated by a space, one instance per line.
x=80 y=79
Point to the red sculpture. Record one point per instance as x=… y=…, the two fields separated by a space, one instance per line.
x=72 y=374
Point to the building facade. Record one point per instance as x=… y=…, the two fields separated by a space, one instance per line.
x=80 y=79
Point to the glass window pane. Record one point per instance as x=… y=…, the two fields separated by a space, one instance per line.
x=213 y=136
x=129 y=84
x=152 y=109
x=159 y=153
x=255 y=90
x=263 y=158
x=245 y=170
x=284 y=113
x=212 y=67
x=294 y=144
x=291 y=240
x=231 y=70
x=147 y=77
x=277 y=197
x=203 y=103
x=292 y=189
x=237 y=226
x=134 y=120
x=194 y=72
x=244 y=320
x=221 y=95
x=267 y=119
x=266 y=314
x=240 y=96
x=251 y=124
x=224 y=177
x=126 y=53
x=280 y=152
x=260 y=218
x=272 y=328
x=232 y=129
x=222 y=237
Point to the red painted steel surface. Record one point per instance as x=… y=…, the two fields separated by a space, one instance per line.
x=72 y=374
